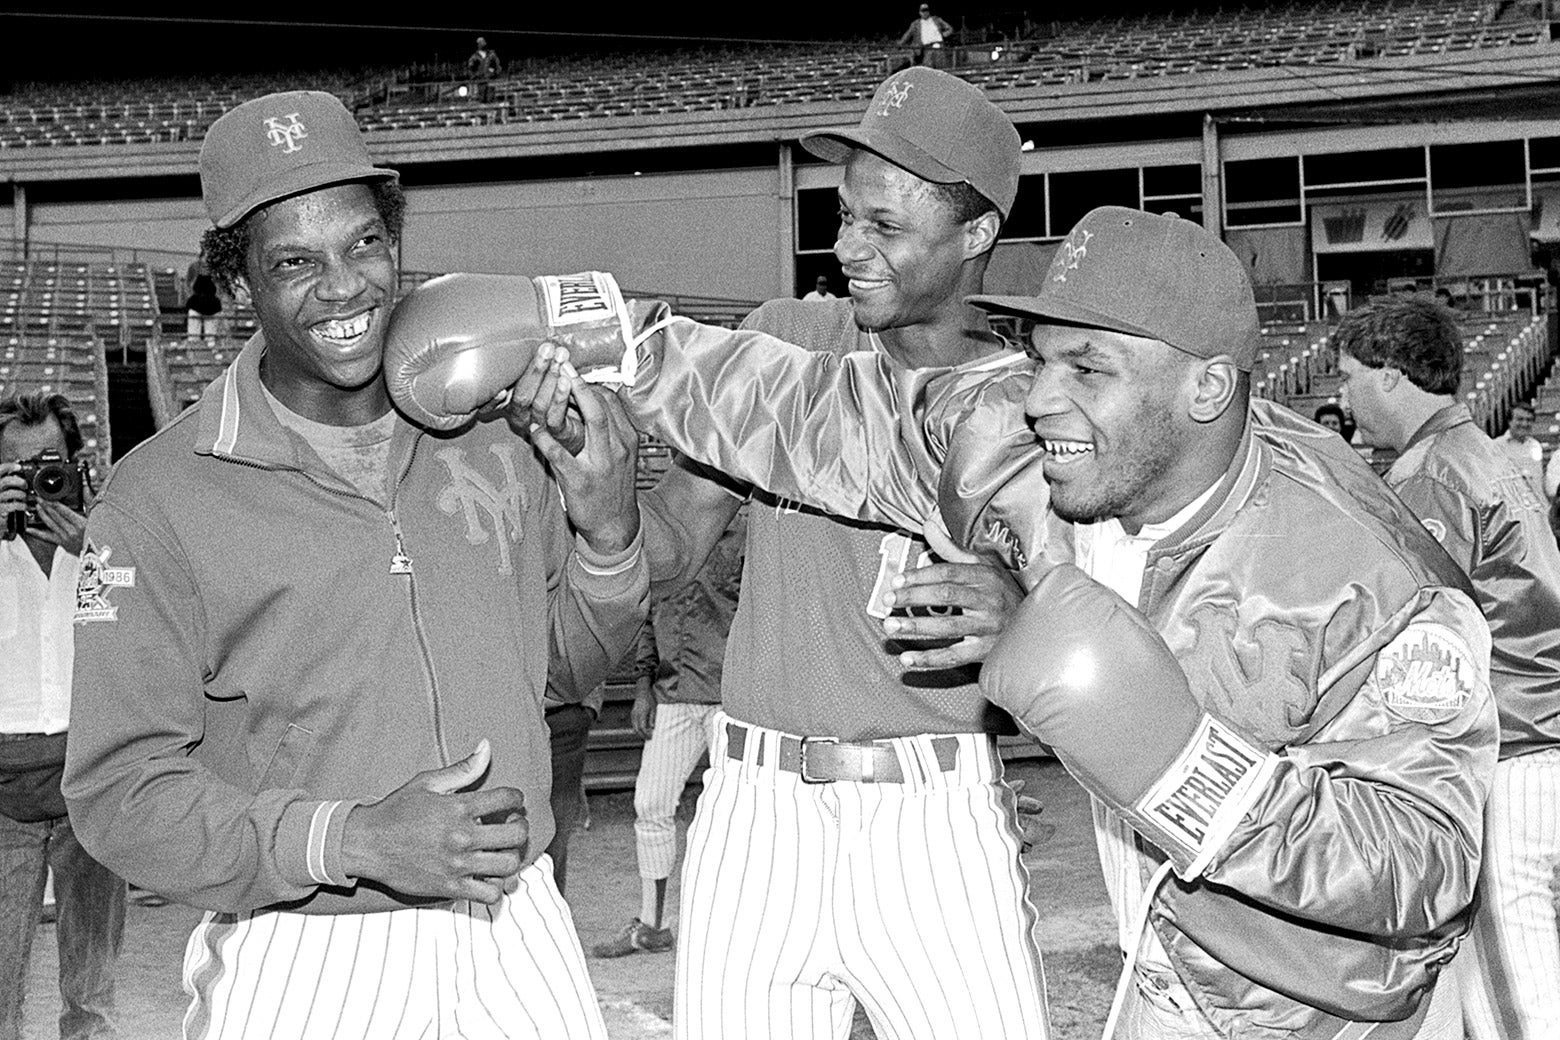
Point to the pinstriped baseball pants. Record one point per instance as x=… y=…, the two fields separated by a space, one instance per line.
x=800 y=899
x=1510 y=969
x=463 y=970
x=680 y=736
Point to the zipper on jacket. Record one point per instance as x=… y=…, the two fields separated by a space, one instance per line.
x=400 y=563
x=399 y=560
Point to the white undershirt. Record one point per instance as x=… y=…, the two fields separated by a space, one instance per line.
x=1117 y=560
x=930 y=34
x=37 y=641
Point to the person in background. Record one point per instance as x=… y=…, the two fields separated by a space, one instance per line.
x=820 y=290
x=1335 y=419
x=927 y=33
x=1524 y=450
x=483 y=63
x=1401 y=359
x=37 y=601
x=677 y=694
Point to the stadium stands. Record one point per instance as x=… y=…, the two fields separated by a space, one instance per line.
x=669 y=83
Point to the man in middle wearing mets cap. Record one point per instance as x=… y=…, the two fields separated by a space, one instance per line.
x=855 y=841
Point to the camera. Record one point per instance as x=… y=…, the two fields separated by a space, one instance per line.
x=49 y=477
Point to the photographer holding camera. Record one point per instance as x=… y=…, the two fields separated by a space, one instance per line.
x=43 y=502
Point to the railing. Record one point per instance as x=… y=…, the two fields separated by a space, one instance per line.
x=69 y=252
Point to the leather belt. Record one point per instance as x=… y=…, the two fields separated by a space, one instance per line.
x=824 y=760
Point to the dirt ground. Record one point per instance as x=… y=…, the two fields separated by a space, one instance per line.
x=1076 y=930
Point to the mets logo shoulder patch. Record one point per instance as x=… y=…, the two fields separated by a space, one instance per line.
x=1427 y=674
x=95 y=580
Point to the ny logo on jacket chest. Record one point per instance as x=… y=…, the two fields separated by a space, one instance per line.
x=483 y=503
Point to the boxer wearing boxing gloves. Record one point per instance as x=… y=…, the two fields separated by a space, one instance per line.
x=1326 y=846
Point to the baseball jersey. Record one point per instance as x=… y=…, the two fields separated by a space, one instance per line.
x=804 y=655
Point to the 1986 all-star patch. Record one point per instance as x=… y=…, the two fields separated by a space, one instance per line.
x=94 y=582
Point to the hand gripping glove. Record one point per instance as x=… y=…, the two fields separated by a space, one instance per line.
x=1087 y=675
x=456 y=342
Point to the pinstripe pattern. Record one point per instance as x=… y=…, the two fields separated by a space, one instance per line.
x=1511 y=973
x=800 y=899
x=508 y=972
x=680 y=736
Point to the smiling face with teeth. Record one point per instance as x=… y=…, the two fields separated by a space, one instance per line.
x=908 y=259
x=322 y=275
x=1132 y=427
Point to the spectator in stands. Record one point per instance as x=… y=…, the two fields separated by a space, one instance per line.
x=1335 y=419
x=37 y=602
x=314 y=643
x=820 y=290
x=676 y=694
x=1523 y=449
x=483 y=63
x=204 y=305
x=927 y=32
x=1402 y=361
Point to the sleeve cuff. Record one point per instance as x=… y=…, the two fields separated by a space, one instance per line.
x=309 y=843
x=608 y=565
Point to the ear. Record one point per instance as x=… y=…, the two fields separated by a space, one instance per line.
x=980 y=234
x=1215 y=386
x=1390 y=378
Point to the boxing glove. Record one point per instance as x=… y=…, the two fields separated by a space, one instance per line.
x=456 y=342
x=1087 y=675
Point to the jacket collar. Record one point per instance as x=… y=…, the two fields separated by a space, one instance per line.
x=1454 y=414
x=238 y=423
x=1248 y=471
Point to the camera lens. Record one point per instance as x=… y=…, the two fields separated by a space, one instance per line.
x=51 y=482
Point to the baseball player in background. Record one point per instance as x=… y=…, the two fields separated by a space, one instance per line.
x=1402 y=360
x=854 y=840
x=678 y=692
x=1272 y=681
x=298 y=615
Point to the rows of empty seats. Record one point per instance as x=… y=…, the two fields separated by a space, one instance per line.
x=112 y=303
x=669 y=82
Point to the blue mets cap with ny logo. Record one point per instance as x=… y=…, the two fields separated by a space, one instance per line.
x=938 y=127
x=1150 y=275
x=280 y=145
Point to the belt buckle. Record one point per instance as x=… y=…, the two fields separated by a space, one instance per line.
x=801 y=760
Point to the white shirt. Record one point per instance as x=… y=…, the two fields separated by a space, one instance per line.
x=930 y=34
x=37 y=640
x=1528 y=456
x=816 y=295
x=1116 y=560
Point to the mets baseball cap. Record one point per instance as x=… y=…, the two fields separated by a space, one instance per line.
x=1146 y=275
x=938 y=127
x=280 y=145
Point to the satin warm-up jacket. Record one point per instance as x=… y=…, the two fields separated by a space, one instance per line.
x=1496 y=528
x=1306 y=604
